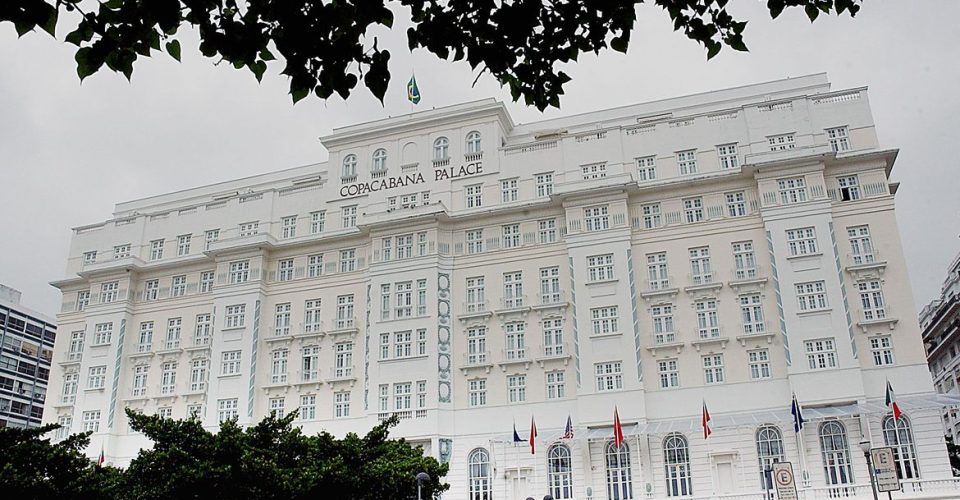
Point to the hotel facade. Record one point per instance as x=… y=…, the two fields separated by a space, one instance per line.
x=469 y=274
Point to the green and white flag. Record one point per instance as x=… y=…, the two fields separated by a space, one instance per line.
x=413 y=92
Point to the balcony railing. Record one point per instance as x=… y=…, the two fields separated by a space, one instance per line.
x=472 y=157
x=514 y=302
x=552 y=298
x=479 y=307
x=659 y=284
x=476 y=358
x=746 y=273
x=701 y=279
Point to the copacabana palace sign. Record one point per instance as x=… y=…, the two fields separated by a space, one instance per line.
x=387 y=183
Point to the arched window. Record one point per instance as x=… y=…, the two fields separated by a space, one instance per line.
x=379 y=160
x=441 y=148
x=560 y=472
x=619 y=483
x=676 y=460
x=899 y=435
x=769 y=449
x=349 y=166
x=836 y=453
x=473 y=142
x=479 y=463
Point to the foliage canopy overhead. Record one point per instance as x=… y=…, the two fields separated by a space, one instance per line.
x=326 y=48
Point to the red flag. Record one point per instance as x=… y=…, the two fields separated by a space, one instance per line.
x=533 y=437
x=891 y=401
x=705 y=421
x=102 y=459
x=617 y=429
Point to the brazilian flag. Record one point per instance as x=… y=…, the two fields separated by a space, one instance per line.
x=413 y=92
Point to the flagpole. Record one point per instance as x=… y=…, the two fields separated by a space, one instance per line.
x=798 y=434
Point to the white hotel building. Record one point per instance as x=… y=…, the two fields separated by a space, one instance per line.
x=467 y=273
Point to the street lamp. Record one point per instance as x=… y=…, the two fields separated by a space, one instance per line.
x=421 y=477
x=865 y=447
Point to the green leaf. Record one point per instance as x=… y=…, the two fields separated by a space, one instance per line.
x=298 y=94
x=50 y=25
x=713 y=48
x=266 y=55
x=84 y=66
x=258 y=69
x=619 y=43
x=173 y=48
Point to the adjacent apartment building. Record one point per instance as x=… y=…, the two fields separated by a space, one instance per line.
x=470 y=275
x=27 y=339
x=940 y=321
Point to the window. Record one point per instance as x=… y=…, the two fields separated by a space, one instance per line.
x=404 y=300
x=102 y=333
x=65 y=422
x=781 y=142
x=96 y=377
x=836 y=454
x=759 y=362
x=151 y=290
x=555 y=385
x=728 y=156
x=349 y=170
x=83 y=299
x=314 y=266
x=669 y=372
x=168 y=377
x=249 y=229
x=609 y=376
x=308 y=407
x=700 y=265
x=476 y=345
x=421 y=243
x=345 y=311
x=687 y=161
x=619 y=482
x=403 y=344
x=311 y=364
x=839 y=141
x=70 y=382
x=517 y=388
x=239 y=271
x=713 y=369
x=199 y=370
x=210 y=237
x=676 y=463
x=183 y=244
x=281 y=319
x=516 y=341
x=278 y=366
x=708 y=324
x=173 y=333
x=348 y=260
x=75 y=351
x=343 y=361
x=385 y=301
x=178 y=286
x=511 y=236
x=544 y=184
x=234 y=317
x=604 y=320
x=812 y=296
x=736 y=204
x=317 y=221
x=285 y=270
x=508 y=190
x=422 y=342
x=821 y=354
x=89 y=257
x=109 y=292
x=663 y=331
x=228 y=409
x=751 y=314
x=156 y=249
x=651 y=216
x=473 y=142
x=477 y=390
x=646 y=168
x=882 y=350
x=600 y=267
x=91 y=421
x=898 y=434
x=744 y=261
x=596 y=218
x=441 y=149
x=849 y=188
x=480 y=485
x=657 y=278
x=861 y=245
x=871 y=298
x=341 y=404
x=513 y=290
x=121 y=251
x=560 y=472
x=194 y=411
x=474 y=195
x=230 y=363
x=475 y=294
x=594 y=171
x=693 y=209
x=206 y=281
x=547 y=231
x=549 y=285
x=288 y=227
x=140 y=380
x=769 y=449
x=348 y=216
x=474 y=241
x=802 y=241
x=792 y=190
x=204 y=329
x=379 y=160
x=421 y=297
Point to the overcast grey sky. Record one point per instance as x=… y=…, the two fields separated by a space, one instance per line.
x=69 y=152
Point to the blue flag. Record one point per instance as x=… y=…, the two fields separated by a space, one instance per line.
x=797 y=415
x=413 y=92
x=516 y=437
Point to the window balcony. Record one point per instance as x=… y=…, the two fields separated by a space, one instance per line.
x=514 y=357
x=659 y=287
x=473 y=157
x=441 y=162
x=476 y=360
x=477 y=309
x=702 y=282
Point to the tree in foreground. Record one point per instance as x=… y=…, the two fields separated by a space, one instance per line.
x=326 y=48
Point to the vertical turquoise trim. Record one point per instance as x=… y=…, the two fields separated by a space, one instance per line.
x=253 y=359
x=843 y=292
x=366 y=356
x=444 y=326
x=776 y=287
x=576 y=337
x=635 y=307
x=116 y=374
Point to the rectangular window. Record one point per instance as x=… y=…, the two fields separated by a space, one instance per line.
x=403 y=307
x=821 y=354
x=600 y=267
x=745 y=263
x=693 y=209
x=669 y=373
x=405 y=246
x=109 y=292
x=288 y=227
x=308 y=407
x=285 y=270
x=421 y=394
x=311 y=316
x=516 y=340
x=168 y=377
x=474 y=241
x=206 y=281
x=199 y=370
x=278 y=366
x=736 y=204
x=547 y=231
x=759 y=364
x=849 y=188
x=341 y=404
x=402 y=396
x=517 y=388
x=348 y=260
x=183 y=244
x=174 y=326
x=812 y=296
x=230 y=363
x=751 y=314
x=553 y=337
x=102 y=333
x=422 y=342
x=91 y=421
x=513 y=290
x=477 y=392
x=343 y=360
x=421 y=243
x=657 y=278
x=713 y=369
x=476 y=345
x=151 y=290
x=156 y=249
x=781 y=142
x=708 y=324
x=311 y=364
x=476 y=301
x=348 y=216
x=345 y=311
x=70 y=382
x=240 y=271
x=83 y=299
x=234 y=317
x=609 y=376
x=861 y=245
x=65 y=422
x=385 y=295
x=550 y=285
x=556 y=388
x=651 y=216
x=700 y=268
x=210 y=237
x=511 y=236
x=75 y=351
x=596 y=218
x=96 y=377
x=474 y=195
x=594 y=171
x=249 y=229
x=386 y=249
x=89 y=257
x=882 y=350
x=421 y=298
x=178 y=286
x=139 y=380
x=646 y=168
x=663 y=330
x=204 y=329
x=508 y=190
x=544 y=184
x=728 y=156
x=839 y=141
x=281 y=319
x=314 y=266
x=228 y=409
x=317 y=221
x=604 y=320
x=802 y=241
x=871 y=299
x=687 y=161
x=403 y=344
x=793 y=190
x=121 y=251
